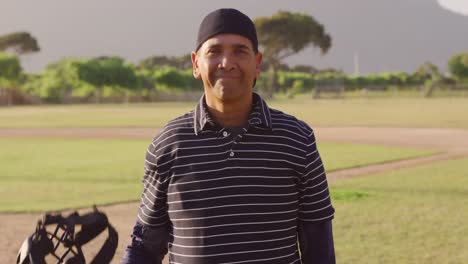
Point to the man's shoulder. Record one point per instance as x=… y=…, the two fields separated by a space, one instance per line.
x=180 y=124
x=183 y=121
x=284 y=121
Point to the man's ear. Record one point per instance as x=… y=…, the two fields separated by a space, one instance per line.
x=196 y=72
x=258 y=62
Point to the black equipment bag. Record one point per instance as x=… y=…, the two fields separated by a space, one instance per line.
x=63 y=244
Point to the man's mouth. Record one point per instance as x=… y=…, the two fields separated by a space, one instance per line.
x=228 y=77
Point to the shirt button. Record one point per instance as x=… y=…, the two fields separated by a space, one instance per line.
x=231 y=154
x=225 y=134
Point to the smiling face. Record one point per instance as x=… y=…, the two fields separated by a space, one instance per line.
x=228 y=66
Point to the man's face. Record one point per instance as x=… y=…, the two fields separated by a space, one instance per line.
x=228 y=66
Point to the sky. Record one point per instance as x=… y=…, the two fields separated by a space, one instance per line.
x=457 y=6
x=134 y=30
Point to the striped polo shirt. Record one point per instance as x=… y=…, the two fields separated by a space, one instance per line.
x=234 y=198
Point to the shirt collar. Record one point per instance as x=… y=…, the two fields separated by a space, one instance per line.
x=260 y=116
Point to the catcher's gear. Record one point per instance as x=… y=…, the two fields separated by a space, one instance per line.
x=63 y=244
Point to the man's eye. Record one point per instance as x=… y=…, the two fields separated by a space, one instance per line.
x=241 y=51
x=213 y=51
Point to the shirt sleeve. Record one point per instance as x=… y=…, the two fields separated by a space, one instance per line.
x=153 y=205
x=150 y=233
x=314 y=201
x=148 y=245
x=316 y=243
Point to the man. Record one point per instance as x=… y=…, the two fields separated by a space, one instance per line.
x=232 y=181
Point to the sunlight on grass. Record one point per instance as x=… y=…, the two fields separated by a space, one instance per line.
x=348 y=195
x=337 y=156
x=415 y=215
x=388 y=111
x=65 y=173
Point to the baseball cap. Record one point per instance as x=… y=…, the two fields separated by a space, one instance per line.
x=227 y=21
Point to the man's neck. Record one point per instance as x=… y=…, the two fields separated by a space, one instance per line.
x=233 y=114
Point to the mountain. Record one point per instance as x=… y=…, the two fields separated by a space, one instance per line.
x=396 y=35
x=392 y=35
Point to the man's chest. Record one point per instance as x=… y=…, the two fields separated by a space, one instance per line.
x=233 y=174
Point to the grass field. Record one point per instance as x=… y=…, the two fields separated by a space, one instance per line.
x=394 y=112
x=51 y=174
x=415 y=215
x=64 y=173
x=338 y=156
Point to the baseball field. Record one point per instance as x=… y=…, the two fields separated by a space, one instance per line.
x=397 y=167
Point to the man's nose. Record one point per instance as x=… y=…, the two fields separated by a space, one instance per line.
x=227 y=62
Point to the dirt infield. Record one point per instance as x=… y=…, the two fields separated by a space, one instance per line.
x=452 y=142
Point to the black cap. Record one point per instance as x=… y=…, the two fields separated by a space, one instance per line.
x=227 y=21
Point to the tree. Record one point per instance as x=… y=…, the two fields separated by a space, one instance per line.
x=432 y=78
x=304 y=68
x=10 y=73
x=183 y=62
x=154 y=62
x=58 y=82
x=427 y=71
x=284 y=34
x=169 y=78
x=10 y=68
x=458 y=66
x=19 y=42
x=108 y=71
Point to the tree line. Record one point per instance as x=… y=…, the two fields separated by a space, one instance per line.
x=281 y=35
